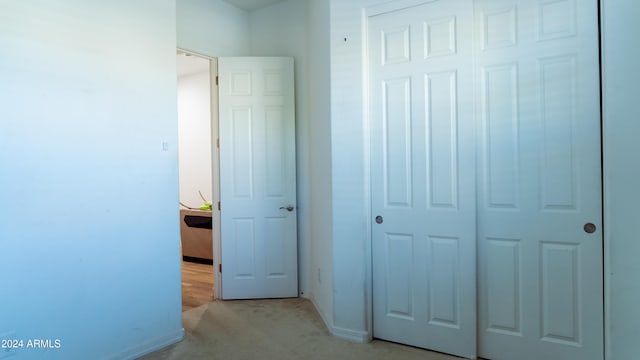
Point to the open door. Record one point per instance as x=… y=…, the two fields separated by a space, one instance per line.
x=257 y=178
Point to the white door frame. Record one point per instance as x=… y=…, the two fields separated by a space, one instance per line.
x=215 y=168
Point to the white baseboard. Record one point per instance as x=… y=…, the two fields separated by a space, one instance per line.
x=342 y=333
x=351 y=335
x=148 y=347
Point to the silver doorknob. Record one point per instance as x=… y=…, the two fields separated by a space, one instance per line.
x=288 y=208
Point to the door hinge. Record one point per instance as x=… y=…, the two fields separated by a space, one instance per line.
x=217 y=81
x=218 y=143
x=219 y=207
x=220 y=268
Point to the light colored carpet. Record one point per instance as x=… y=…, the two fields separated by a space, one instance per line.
x=280 y=329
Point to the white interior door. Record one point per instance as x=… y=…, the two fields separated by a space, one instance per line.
x=540 y=273
x=257 y=178
x=423 y=177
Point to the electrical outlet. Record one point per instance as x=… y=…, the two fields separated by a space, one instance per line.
x=8 y=347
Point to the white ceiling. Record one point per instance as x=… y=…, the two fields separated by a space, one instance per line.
x=251 y=5
x=187 y=65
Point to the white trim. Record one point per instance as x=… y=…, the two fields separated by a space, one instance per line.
x=368 y=291
x=215 y=176
x=394 y=5
x=201 y=55
x=148 y=347
x=606 y=234
x=357 y=336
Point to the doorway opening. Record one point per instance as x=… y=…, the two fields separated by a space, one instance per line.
x=249 y=152
x=198 y=176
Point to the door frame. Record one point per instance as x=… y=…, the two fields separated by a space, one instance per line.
x=215 y=168
x=373 y=10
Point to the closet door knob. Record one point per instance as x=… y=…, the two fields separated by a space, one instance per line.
x=589 y=228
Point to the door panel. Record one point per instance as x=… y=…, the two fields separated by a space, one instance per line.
x=257 y=178
x=540 y=273
x=423 y=177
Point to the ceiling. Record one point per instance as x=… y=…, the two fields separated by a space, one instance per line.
x=251 y=5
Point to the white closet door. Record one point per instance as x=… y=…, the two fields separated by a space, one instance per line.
x=539 y=173
x=258 y=178
x=423 y=177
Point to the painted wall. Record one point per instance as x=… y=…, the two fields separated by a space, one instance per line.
x=281 y=30
x=319 y=71
x=349 y=143
x=621 y=77
x=194 y=138
x=212 y=27
x=88 y=216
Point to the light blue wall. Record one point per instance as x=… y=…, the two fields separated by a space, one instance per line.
x=350 y=184
x=212 y=27
x=321 y=266
x=89 y=237
x=621 y=78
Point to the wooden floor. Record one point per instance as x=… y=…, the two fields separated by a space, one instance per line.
x=197 y=284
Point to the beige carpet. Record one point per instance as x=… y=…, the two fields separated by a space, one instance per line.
x=273 y=329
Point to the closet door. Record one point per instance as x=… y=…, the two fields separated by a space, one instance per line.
x=423 y=176
x=539 y=174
